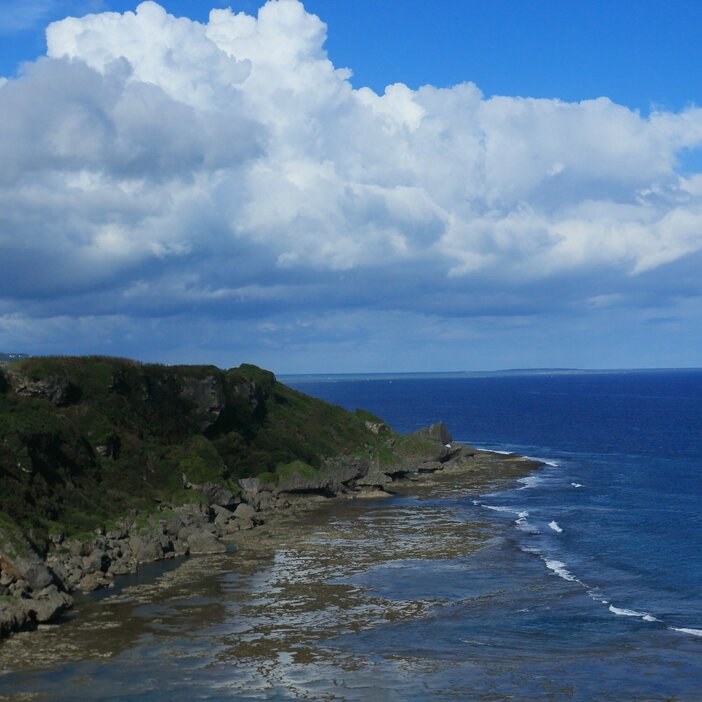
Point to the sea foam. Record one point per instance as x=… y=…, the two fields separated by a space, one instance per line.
x=492 y=450
x=546 y=461
x=555 y=527
x=694 y=632
x=622 y=612
x=497 y=508
x=559 y=568
x=530 y=481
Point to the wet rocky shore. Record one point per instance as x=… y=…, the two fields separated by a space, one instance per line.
x=36 y=590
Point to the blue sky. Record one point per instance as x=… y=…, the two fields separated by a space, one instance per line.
x=638 y=54
x=525 y=193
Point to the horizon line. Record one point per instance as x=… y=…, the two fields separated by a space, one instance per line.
x=503 y=371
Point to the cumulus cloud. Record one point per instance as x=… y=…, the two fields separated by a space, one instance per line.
x=157 y=161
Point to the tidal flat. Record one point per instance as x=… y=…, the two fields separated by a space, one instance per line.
x=269 y=620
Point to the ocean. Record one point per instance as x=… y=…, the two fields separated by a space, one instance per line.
x=588 y=585
x=595 y=589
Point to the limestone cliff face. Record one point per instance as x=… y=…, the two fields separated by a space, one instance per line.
x=208 y=395
x=55 y=389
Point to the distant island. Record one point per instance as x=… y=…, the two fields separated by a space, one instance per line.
x=450 y=375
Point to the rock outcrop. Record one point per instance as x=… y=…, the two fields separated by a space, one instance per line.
x=30 y=592
x=208 y=395
x=56 y=389
x=436 y=432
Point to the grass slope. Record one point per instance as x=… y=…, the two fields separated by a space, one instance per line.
x=84 y=441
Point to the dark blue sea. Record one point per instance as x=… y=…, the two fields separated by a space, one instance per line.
x=595 y=592
x=588 y=585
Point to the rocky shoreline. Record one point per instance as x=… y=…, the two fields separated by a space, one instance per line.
x=36 y=591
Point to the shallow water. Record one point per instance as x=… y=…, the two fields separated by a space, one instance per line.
x=451 y=595
x=247 y=625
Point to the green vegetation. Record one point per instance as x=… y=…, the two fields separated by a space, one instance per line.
x=286 y=471
x=403 y=448
x=85 y=441
x=366 y=416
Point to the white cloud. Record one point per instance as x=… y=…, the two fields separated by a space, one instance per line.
x=145 y=143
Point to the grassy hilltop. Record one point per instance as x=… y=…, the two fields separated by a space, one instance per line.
x=84 y=441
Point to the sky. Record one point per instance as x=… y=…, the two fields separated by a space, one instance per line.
x=367 y=186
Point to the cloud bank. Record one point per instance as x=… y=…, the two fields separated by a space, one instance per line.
x=155 y=166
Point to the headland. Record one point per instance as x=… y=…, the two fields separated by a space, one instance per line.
x=108 y=464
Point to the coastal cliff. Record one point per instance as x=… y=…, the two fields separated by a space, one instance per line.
x=106 y=464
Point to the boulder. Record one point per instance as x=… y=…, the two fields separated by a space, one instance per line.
x=181 y=548
x=243 y=523
x=78 y=548
x=374 y=478
x=165 y=543
x=185 y=532
x=67 y=569
x=451 y=453
x=244 y=511
x=97 y=562
x=38 y=576
x=7 y=578
x=49 y=603
x=250 y=487
x=13 y=615
x=222 y=516
x=217 y=495
x=94 y=581
x=19 y=588
x=117 y=550
x=174 y=524
x=146 y=547
x=205 y=542
x=122 y=566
